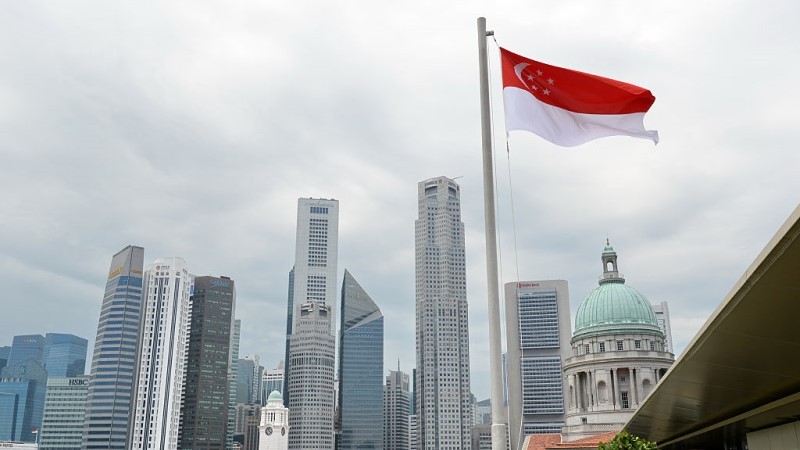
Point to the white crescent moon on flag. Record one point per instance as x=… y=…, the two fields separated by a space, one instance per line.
x=518 y=70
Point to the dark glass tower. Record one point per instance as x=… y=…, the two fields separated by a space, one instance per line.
x=22 y=390
x=205 y=402
x=287 y=357
x=360 y=369
x=27 y=346
x=64 y=355
x=108 y=405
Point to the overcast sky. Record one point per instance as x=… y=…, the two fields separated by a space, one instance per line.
x=191 y=128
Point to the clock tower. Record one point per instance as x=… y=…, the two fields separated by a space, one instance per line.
x=274 y=425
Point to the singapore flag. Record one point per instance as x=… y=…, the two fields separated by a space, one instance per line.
x=569 y=108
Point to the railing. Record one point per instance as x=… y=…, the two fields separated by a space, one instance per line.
x=595 y=428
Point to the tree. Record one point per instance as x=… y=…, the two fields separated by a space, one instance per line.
x=626 y=441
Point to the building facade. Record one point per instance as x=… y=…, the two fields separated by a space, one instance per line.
x=64 y=410
x=64 y=355
x=205 y=398
x=396 y=411
x=311 y=381
x=161 y=368
x=27 y=346
x=662 y=316
x=538 y=341
x=443 y=406
x=248 y=418
x=273 y=381
x=360 y=369
x=618 y=355
x=22 y=392
x=274 y=425
x=232 y=382
x=109 y=399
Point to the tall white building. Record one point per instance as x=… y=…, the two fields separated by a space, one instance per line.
x=396 y=396
x=162 y=355
x=311 y=359
x=662 y=316
x=443 y=403
x=274 y=425
x=538 y=338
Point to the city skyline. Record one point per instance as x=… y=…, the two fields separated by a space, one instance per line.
x=101 y=113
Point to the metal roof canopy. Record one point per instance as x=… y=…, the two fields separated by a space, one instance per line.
x=741 y=372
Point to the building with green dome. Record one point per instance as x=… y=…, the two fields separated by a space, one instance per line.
x=618 y=355
x=274 y=424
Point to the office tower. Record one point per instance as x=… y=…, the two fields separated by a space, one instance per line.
x=245 y=368
x=360 y=369
x=310 y=386
x=289 y=321
x=483 y=412
x=205 y=400
x=443 y=399
x=22 y=391
x=108 y=402
x=396 y=401
x=162 y=360
x=4 y=352
x=273 y=381
x=662 y=316
x=248 y=418
x=24 y=347
x=232 y=382
x=274 y=426
x=64 y=410
x=257 y=381
x=538 y=335
x=311 y=381
x=482 y=437
x=64 y=355
x=413 y=432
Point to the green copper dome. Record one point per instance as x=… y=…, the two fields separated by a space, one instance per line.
x=614 y=307
x=275 y=395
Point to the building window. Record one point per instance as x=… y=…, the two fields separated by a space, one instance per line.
x=619 y=345
x=602 y=346
x=586 y=348
x=652 y=346
x=625 y=403
x=637 y=344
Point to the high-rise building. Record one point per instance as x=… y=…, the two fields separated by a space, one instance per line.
x=274 y=426
x=64 y=410
x=443 y=378
x=248 y=419
x=289 y=322
x=27 y=346
x=233 y=382
x=311 y=381
x=65 y=355
x=4 y=352
x=205 y=400
x=273 y=381
x=22 y=392
x=245 y=369
x=109 y=400
x=162 y=360
x=413 y=432
x=662 y=316
x=396 y=401
x=360 y=369
x=310 y=386
x=538 y=334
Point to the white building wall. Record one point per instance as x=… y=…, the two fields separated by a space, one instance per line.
x=662 y=315
x=161 y=368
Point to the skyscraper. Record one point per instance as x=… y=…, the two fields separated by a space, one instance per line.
x=311 y=381
x=4 y=352
x=108 y=402
x=273 y=381
x=360 y=369
x=232 y=383
x=27 y=346
x=64 y=355
x=310 y=386
x=245 y=370
x=205 y=401
x=162 y=360
x=64 y=410
x=289 y=322
x=538 y=334
x=22 y=392
x=443 y=401
x=662 y=315
x=396 y=400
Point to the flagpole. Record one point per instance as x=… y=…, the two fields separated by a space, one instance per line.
x=495 y=363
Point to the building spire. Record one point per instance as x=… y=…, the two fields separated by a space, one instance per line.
x=610 y=269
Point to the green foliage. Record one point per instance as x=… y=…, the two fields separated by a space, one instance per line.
x=625 y=441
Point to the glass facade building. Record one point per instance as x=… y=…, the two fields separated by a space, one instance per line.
x=22 y=391
x=64 y=355
x=27 y=346
x=205 y=399
x=64 y=409
x=360 y=369
x=108 y=403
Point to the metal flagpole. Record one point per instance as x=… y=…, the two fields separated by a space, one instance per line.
x=495 y=363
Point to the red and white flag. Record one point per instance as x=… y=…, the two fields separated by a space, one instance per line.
x=569 y=108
